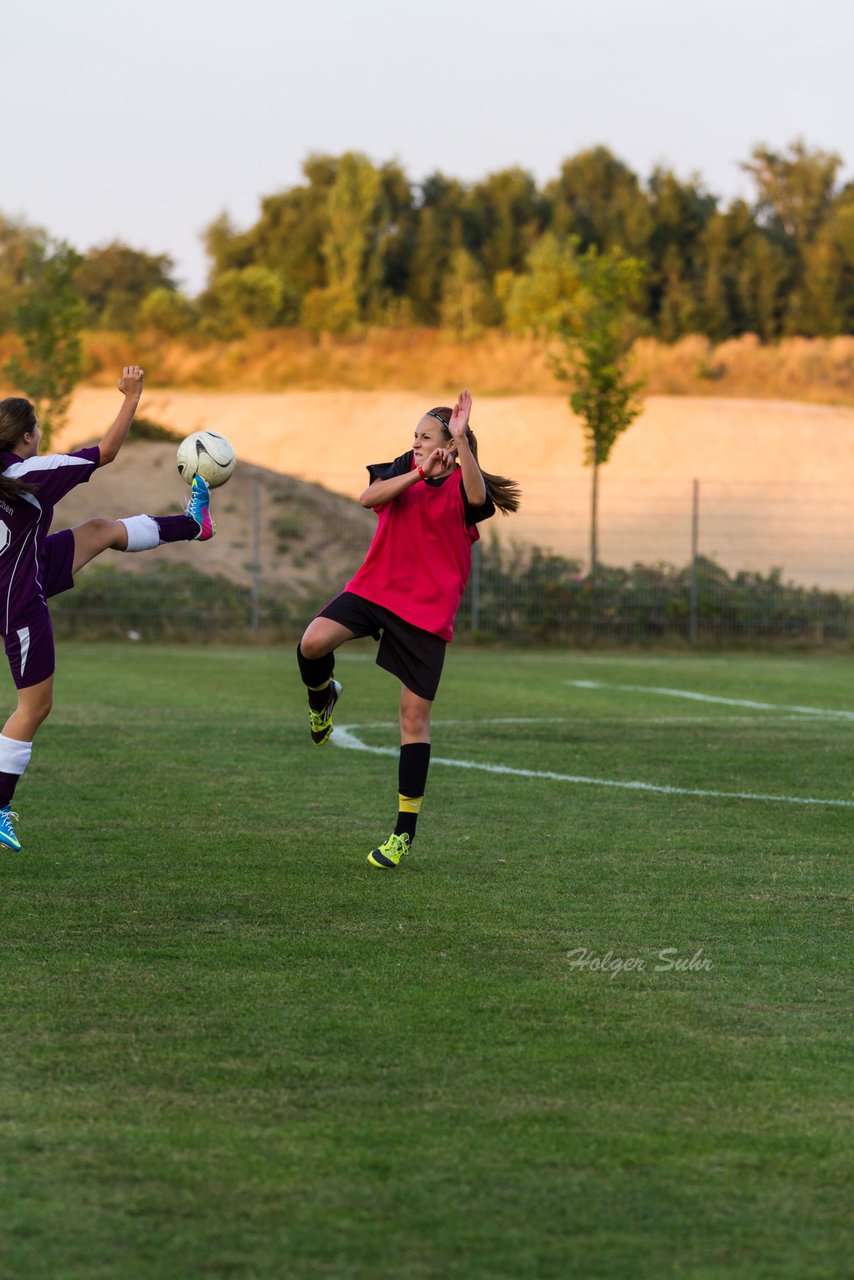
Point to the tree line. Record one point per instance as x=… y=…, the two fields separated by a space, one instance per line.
x=359 y=244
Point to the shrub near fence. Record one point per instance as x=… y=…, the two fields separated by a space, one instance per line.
x=529 y=595
x=525 y=595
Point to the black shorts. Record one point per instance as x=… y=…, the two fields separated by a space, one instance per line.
x=415 y=656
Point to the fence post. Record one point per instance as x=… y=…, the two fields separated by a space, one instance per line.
x=695 y=541
x=475 y=587
x=255 y=619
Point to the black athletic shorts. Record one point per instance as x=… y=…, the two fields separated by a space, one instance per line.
x=413 y=655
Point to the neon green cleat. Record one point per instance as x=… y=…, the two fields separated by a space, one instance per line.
x=389 y=854
x=321 y=721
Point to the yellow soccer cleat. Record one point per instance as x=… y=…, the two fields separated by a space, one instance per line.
x=389 y=854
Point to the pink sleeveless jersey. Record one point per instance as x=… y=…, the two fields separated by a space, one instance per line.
x=419 y=561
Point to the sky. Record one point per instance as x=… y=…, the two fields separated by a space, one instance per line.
x=144 y=123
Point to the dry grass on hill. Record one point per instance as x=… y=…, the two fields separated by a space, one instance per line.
x=820 y=370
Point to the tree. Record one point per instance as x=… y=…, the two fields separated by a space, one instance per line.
x=466 y=297
x=349 y=246
x=242 y=300
x=438 y=234
x=168 y=313
x=596 y=339
x=114 y=279
x=544 y=299
x=48 y=318
x=795 y=190
x=597 y=198
x=17 y=238
x=585 y=302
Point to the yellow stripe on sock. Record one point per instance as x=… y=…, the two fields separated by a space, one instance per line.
x=316 y=688
x=409 y=804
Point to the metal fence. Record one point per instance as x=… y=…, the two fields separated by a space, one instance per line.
x=702 y=561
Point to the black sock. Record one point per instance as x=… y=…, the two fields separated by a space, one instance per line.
x=8 y=782
x=316 y=674
x=176 y=528
x=411 y=784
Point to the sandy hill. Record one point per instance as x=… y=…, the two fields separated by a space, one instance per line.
x=775 y=475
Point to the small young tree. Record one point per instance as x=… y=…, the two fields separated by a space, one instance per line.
x=596 y=337
x=583 y=303
x=48 y=318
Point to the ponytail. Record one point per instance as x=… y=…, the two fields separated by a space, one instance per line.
x=17 y=417
x=505 y=493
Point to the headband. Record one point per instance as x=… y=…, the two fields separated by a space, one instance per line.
x=431 y=414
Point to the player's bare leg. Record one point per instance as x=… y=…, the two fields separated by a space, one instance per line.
x=95 y=536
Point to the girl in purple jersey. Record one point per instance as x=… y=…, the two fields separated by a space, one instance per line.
x=35 y=564
x=429 y=503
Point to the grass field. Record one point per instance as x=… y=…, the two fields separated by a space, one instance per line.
x=231 y=1049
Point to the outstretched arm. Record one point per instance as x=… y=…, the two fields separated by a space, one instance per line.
x=473 y=480
x=130 y=385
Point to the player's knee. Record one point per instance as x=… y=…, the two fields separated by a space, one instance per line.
x=414 y=721
x=37 y=708
x=312 y=646
x=104 y=530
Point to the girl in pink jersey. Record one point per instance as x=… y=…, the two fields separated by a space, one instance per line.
x=429 y=503
x=35 y=565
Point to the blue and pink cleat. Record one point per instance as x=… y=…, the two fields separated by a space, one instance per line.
x=7 y=831
x=199 y=509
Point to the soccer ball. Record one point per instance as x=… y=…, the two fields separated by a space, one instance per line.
x=206 y=454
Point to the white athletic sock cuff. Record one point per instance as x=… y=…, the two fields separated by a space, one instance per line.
x=143 y=533
x=14 y=755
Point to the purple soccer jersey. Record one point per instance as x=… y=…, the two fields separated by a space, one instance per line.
x=25 y=523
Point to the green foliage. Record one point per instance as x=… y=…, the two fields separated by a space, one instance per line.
x=17 y=240
x=597 y=336
x=166 y=602
x=543 y=299
x=288 y=529
x=242 y=299
x=355 y=243
x=168 y=312
x=598 y=199
x=114 y=280
x=466 y=301
x=350 y=241
x=48 y=317
x=528 y=595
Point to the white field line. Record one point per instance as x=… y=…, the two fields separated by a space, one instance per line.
x=822 y=713
x=345 y=736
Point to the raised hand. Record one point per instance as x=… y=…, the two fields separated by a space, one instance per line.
x=460 y=417
x=130 y=383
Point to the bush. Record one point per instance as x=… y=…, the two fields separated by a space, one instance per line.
x=530 y=595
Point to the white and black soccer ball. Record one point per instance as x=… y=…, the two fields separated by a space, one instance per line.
x=206 y=454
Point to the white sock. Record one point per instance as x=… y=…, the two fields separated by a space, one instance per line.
x=143 y=533
x=14 y=755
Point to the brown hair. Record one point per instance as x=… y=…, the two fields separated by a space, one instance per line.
x=504 y=493
x=17 y=417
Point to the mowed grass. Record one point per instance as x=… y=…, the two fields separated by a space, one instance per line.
x=231 y=1049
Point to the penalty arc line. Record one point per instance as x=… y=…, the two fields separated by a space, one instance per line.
x=345 y=736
